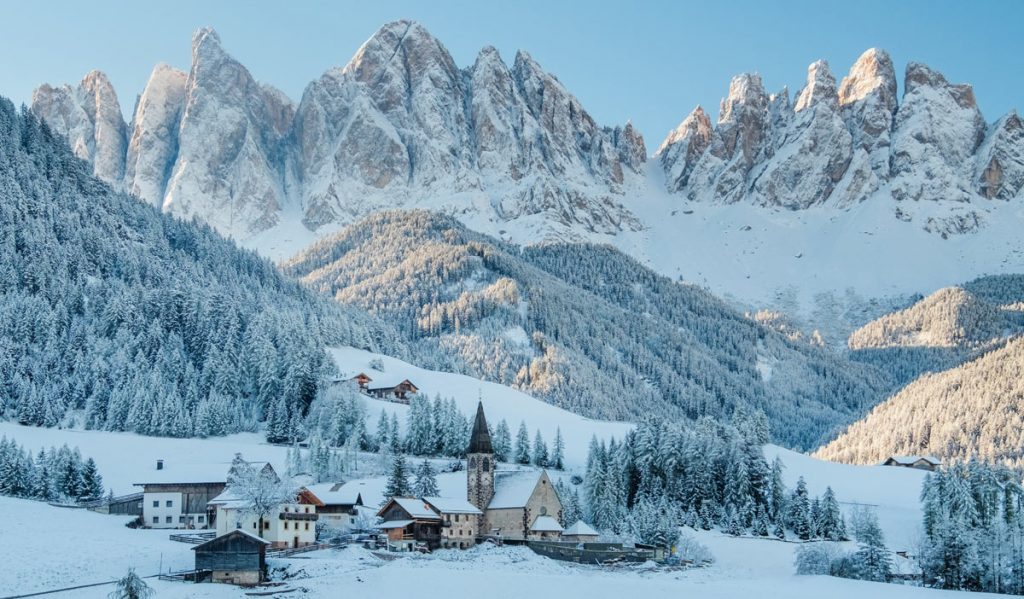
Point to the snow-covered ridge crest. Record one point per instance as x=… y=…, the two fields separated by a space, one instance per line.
x=399 y=125
x=853 y=144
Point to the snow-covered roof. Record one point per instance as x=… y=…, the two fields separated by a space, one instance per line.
x=416 y=508
x=237 y=531
x=452 y=505
x=337 y=493
x=394 y=524
x=911 y=459
x=581 y=528
x=546 y=524
x=180 y=474
x=389 y=381
x=513 y=489
x=227 y=498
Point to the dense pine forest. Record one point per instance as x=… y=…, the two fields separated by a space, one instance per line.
x=114 y=316
x=584 y=327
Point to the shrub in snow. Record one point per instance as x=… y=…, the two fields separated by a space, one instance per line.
x=131 y=587
x=691 y=550
x=815 y=559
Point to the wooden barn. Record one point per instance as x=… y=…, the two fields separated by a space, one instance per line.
x=125 y=505
x=237 y=557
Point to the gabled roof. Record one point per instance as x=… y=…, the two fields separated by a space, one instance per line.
x=513 y=489
x=390 y=382
x=546 y=524
x=195 y=474
x=237 y=532
x=480 y=440
x=394 y=524
x=337 y=493
x=451 y=505
x=907 y=460
x=415 y=508
x=581 y=528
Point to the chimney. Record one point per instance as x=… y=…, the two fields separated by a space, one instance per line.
x=159 y=464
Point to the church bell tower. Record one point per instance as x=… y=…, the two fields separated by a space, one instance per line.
x=480 y=463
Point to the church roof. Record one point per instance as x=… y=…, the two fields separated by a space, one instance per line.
x=546 y=524
x=513 y=489
x=581 y=528
x=480 y=441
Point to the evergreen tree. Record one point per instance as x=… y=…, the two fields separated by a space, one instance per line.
x=799 y=515
x=92 y=482
x=502 y=442
x=557 y=460
x=398 y=480
x=872 y=561
x=540 y=451
x=522 y=449
x=426 y=481
x=831 y=525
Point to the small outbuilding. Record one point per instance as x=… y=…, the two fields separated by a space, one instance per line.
x=919 y=462
x=237 y=557
x=581 y=532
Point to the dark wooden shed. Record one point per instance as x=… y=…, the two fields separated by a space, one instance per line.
x=237 y=557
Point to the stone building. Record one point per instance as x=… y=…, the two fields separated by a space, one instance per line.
x=518 y=505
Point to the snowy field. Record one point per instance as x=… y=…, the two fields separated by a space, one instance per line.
x=61 y=547
x=91 y=547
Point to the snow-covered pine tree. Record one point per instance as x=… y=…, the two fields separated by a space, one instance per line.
x=557 y=460
x=426 y=481
x=522 y=449
x=830 y=523
x=502 y=442
x=539 y=455
x=398 y=479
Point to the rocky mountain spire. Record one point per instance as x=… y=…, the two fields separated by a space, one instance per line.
x=153 y=146
x=737 y=143
x=682 y=148
x=1000 y=166
x=816 y=148
x=89 y=116
x=936 y=132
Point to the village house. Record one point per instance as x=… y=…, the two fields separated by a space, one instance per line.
x=176 y=496
x=518 y=505
x=125 y=505
x=444 y=522
x=361 y=380
x=930 y=463
x=407 y=521
x=291 y=525
x=339 y=505
x=237 y=557
x=396 y=390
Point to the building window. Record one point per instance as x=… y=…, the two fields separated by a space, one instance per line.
x=307 y=509
x=181 y=519
x=156 y=504
x=254 y=525
x=202 y=519
x=286 y=526
x=307 y=525
x=487 y=464
x=286 y=509
x=156 y=519
x=266 y=526
x=169 y=520
x=170 y=503
x=543 y=510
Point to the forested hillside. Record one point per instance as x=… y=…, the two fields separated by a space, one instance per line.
x=115 y=316
x=582 y=326
x=973 y=410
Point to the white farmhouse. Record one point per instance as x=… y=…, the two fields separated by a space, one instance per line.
x=291 y=525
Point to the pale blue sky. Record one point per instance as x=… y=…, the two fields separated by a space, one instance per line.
x=649 y=61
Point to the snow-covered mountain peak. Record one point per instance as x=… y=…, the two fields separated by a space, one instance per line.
x=746 y=94
x=872 y=74
x=684 y=145
x=820 y=88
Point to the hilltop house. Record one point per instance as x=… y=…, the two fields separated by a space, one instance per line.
x=518 y=505
x=930 y=463
x=396 y=390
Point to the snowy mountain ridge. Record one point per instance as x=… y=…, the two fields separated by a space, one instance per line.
x=800 y=196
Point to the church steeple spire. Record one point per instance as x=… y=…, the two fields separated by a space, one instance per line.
x=480 y=440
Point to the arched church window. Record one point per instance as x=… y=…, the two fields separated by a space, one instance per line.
x=487 y=464
x=543 y=510
x=472 y=462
